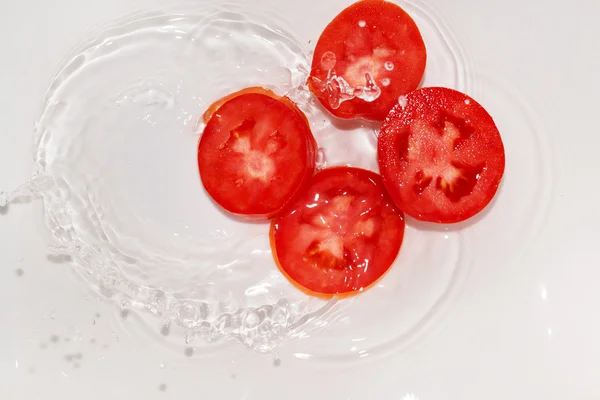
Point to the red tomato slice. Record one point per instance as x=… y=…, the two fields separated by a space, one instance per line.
x=369 y=55
x=256 y=153
x=340 y=236
x=441 y=155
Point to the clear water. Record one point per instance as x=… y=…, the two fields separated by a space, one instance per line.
x=115 y=153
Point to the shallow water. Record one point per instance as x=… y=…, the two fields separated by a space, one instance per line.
x=115 y=153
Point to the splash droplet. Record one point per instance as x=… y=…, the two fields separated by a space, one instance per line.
x=321 y=159
x=328 y=60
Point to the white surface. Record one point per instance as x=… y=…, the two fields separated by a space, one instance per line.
x=524 y=325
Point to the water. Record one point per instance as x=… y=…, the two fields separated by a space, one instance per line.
x=115 y=152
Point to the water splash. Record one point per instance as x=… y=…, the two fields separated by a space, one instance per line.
x=154 y=241
x=338 y=90
x=107 y=143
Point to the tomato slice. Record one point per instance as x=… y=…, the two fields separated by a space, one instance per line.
x=441 y=155
x=368 y=55
x=340 y=236
x=256 y=153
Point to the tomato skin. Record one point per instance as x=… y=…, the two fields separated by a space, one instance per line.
x=256 y=153
x=253 y=90
x=340 y=236
x=441 y=155
x=370 y=36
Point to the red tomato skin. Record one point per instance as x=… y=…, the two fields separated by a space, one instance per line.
x=482 y=149
x=293 y=229
x=305 y=161
x=370 y=28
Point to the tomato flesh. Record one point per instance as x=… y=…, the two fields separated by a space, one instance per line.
x=441 y=155
x=368 y=55
x=256 y=153
x=340 y=236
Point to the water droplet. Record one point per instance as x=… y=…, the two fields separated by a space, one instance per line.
x=189 y=337
x=124 y=314
x=165 y=330
x=162 y=366
x=3 y=199
x=467 y=101
x=362 y=23
x=385 y=82
x=188 y=314
x=321 y=160
x=370 y=92
x=402 y=100
x=20 y=272
x=54 y=338
x=189 y=351
x=328 y=60
x=252 y=320
x=389 y=65
x=162 y=387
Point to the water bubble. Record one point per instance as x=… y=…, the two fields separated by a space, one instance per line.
x=388 y=65
x=362 y=23
x=467 y=101
x=386 y=82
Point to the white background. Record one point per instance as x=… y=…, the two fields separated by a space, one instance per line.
x=527 y=330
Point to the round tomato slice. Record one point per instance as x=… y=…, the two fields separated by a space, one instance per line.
x=340 y=236
x=256 y=153
x=441 y=155
x=369 y=55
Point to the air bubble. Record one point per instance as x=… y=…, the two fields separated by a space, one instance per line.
x=389 y=65
x=386 y=82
